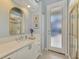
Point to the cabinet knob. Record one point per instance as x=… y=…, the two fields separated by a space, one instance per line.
x=9 y=58
x=30 y=46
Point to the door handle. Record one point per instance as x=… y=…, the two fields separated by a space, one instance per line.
x=49 y=32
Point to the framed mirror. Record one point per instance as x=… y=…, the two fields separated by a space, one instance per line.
x=15 y=21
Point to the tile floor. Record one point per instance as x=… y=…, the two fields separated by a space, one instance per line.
x=51 y=55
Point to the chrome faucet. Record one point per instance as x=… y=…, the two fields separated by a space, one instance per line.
x=19 y=38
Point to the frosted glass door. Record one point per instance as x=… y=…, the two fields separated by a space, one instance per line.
x=56 y=30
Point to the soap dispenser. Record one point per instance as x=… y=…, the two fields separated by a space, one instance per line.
x=32 y=34
x=31 y=31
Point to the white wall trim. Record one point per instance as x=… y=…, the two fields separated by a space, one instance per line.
x=54 y=5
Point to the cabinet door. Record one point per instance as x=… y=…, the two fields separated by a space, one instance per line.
x=21 y=54
x=35 y=50
x=38 y=50
x=31 y=52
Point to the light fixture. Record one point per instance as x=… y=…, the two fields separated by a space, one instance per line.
x=28 y=6
x=37 y=1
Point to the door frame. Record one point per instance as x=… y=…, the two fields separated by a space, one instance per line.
x=64 y=30
x=54 y=10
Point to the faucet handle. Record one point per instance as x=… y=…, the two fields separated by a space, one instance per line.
x=25 y=36
x=21 y=37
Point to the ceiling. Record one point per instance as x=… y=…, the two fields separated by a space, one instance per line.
x=51 y=1
x=24 y=3
x=33 y=2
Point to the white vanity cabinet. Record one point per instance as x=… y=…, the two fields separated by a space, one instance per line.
x=31 y=51
x=20 y=54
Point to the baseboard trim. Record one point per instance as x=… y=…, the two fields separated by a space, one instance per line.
x=67 y=56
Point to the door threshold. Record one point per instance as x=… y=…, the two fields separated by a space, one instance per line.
x=56 y=52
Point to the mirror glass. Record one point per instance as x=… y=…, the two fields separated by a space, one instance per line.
x=15 y=21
